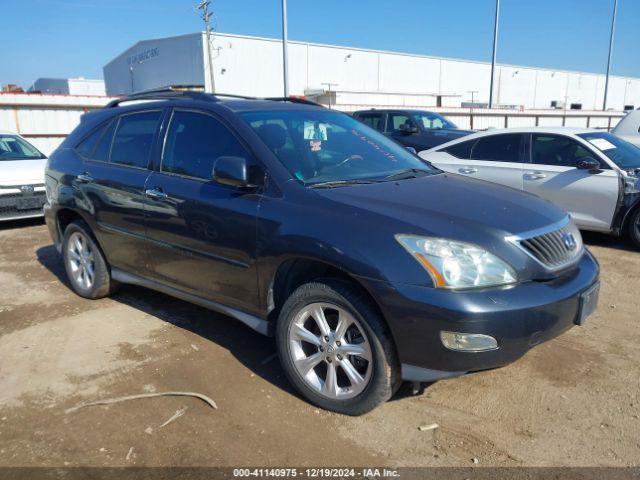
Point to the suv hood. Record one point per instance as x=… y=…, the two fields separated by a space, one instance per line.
x=450 y=206
x=22 y=172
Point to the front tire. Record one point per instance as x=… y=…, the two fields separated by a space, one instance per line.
x=634 y=227
x=336 y=349
x=84 y=262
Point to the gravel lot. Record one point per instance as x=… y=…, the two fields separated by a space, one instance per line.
x=572 y=401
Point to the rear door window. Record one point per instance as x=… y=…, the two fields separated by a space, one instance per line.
x=194 y=142
x=557 y=150
x=134 y=138
x=498 y=148
x=397 y=119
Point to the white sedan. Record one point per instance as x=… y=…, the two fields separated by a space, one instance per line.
x=629 y=127
x=22 y=192
x=593 y=175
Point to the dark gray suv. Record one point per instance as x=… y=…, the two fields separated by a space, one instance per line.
x=367 y=264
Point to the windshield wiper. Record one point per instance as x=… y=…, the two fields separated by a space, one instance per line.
x=340 y=183
x=408 y=173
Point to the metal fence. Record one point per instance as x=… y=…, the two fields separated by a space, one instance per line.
x=45 y=120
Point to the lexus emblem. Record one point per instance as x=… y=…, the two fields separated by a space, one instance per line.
x=569 y=241
x=26 y=189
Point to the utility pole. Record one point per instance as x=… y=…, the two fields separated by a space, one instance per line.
x=206 y=16
x=285 y=54
x=495 y=50
x=613 y=29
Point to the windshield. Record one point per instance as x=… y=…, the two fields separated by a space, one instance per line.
x=320 y=146
x=622 y=153
x=430 y=120
x=15 y=148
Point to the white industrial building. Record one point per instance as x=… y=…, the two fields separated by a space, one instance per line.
x=359 y=78
x=69 y=86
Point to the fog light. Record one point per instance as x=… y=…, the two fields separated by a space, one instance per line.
x=468 y=342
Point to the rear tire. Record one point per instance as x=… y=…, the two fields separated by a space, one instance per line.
x=86 y=267
x=336 y=349
x=633 y=227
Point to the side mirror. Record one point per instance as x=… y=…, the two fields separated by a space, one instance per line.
x=408 y=129
x=588 y=164
x=231 y=171
x=412 y=150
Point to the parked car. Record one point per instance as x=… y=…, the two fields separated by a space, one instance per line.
x=629 y=127
x=369 y=266
x=416 y=129
x=22 y=192
x=593 y=175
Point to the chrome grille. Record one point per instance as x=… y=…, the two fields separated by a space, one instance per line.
x=555 y=247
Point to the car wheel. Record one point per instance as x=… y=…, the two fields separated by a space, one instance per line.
x=634 y=227
x=86 y=267
x=336 y=349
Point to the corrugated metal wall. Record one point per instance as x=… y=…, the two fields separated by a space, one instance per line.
x=44 y=119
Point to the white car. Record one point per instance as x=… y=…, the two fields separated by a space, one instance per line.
x=593 y=175
x=629 y=127
x=22 y=192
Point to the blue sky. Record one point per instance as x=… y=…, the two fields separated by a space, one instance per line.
x=65 y=38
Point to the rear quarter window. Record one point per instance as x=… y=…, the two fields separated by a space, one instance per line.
x=460 y=150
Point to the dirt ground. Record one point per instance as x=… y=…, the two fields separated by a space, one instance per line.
x=573 y=401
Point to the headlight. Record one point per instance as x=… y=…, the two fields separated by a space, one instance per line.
x=631 y=184
x=454 y=264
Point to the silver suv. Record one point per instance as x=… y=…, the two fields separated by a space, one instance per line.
x=593 y=175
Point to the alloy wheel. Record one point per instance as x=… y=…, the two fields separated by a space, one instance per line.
x=81 y=261
x=330 y=350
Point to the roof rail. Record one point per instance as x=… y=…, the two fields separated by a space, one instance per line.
x=173 y=92
x=293 y=100
x=166 y=93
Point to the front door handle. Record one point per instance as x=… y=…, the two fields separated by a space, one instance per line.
x=84 y=178
x=467 y=170
x=534 y=175
x=155 y=193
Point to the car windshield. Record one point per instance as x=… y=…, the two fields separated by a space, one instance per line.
x=321 y=146
x=15 y=148
x=622 y=153
x=431 y=120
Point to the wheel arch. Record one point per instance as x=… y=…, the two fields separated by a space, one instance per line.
x=296 y=271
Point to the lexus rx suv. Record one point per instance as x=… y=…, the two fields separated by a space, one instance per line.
x=367 y=264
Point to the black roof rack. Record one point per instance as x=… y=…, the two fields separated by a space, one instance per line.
x=293 y=100
x=169 y=93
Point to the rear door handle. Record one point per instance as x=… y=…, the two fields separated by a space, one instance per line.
x=534 y=175
x=467 y=170
x=155 y=193
x=84 y=178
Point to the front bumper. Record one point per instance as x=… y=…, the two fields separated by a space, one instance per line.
x=21 y=205
x=518 y=317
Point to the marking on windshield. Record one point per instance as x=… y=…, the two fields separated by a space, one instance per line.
x=601 y=143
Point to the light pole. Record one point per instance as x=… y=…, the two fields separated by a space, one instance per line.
x=285 y=54
x=613 y=29
x=206 y=15
x=495 y=49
